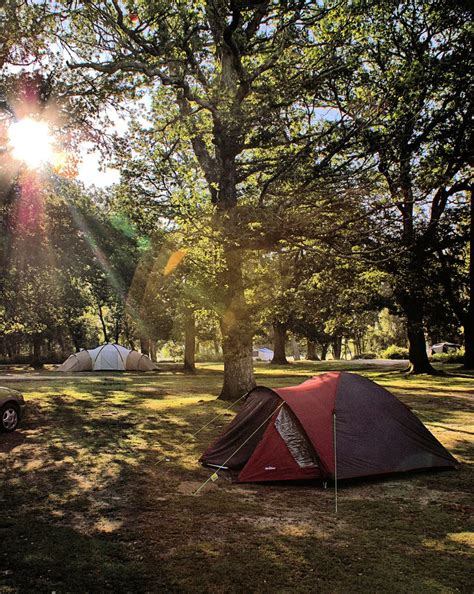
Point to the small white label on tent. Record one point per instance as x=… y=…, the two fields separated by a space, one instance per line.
x=270 y=468
x=214 y=477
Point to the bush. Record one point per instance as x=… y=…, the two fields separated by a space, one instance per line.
x=364 y=356
x=456 y=356
x=394 y=352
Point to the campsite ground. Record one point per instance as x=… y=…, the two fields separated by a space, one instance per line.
x=96 y=494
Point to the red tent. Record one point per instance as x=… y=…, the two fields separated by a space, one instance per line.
x=338 y=424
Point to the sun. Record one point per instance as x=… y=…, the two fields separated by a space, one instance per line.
x=31 y=142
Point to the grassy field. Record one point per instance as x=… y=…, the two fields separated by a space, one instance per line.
x=96 y=495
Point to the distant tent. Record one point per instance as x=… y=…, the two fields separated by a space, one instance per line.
x=80 y=361
x=262 y=354
x=338 y=424
x=108 y=357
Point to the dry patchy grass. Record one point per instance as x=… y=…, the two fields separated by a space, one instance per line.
x=96 y=495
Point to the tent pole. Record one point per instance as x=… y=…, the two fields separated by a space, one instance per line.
x=335 y=458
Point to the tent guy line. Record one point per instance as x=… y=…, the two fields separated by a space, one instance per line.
x=164 y=457
x=223 y=465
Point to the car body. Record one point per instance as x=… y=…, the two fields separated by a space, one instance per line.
x=444 y=347
x=12 y=409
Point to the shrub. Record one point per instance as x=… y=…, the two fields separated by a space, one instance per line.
x=208 y=357
x=365 y=356
x=394 y=352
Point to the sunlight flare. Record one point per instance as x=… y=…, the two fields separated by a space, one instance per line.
x=31 y=142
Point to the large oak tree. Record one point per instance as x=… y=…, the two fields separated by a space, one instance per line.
x=242 y=75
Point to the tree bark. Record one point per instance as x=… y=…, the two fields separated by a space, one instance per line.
x=236 y=330
x=190 y=343
x=279 y=341
x=311 y=355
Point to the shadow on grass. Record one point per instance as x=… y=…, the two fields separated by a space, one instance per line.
x=10 y=441
x=42 y=556
x=251 y=537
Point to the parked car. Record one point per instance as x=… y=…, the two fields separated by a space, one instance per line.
x=12 y=408
x=444 y=347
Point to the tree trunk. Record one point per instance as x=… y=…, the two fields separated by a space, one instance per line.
x=347 y=349
x=62 y=344
x=145 y=346
x=76 y=343
x=279 y=341
x=236 y=331
x=190 y=343
x=337 y=347
x=469 y=318
x=102 y=321
x=419 y=362
x=36 y=354
x=152 y=354
x=469 y=340
x=296 y=349
x=324 y=351
x=311 y=354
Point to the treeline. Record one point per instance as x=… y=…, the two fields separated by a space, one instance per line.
x=77 y=272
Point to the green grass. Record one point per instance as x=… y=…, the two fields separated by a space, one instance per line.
x=96 y=495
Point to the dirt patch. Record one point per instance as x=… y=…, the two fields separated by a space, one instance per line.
x=190 y=488
x=291 y=526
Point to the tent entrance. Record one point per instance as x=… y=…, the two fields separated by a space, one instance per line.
x=284 y=452
x=237 y=444
x=295 y=439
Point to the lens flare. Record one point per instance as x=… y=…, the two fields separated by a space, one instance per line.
x=31 y=142
x=174 y=261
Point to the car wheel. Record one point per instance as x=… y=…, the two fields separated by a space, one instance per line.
x=9 y=417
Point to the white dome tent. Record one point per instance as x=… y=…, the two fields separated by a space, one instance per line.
x=112 y=357
x=108 y=357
